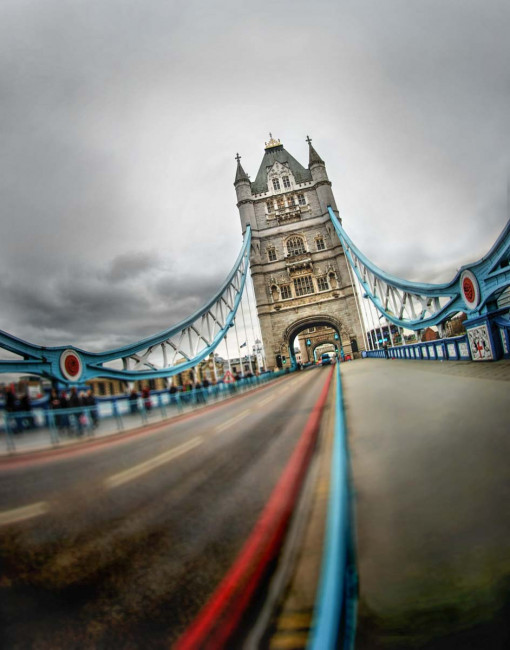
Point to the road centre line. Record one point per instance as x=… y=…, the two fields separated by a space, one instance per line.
x=23 y=513
x=143 y=468
x=280 y=391
x=229 y=423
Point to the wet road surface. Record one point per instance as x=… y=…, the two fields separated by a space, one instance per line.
x=119 y=547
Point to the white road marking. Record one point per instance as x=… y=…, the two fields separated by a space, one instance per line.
x=280 y=391
x=143 y=468
x=25 y=512
x=229 y=423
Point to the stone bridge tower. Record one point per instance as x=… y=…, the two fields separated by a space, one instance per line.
x=297 y=263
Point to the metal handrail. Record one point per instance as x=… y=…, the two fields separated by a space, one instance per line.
x=334 y=624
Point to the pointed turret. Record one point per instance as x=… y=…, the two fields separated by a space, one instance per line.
x=241 y=175
x=242 y=184
x=313 y=157
x=317 y=168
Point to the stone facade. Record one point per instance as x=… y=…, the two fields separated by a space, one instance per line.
x=298 y=266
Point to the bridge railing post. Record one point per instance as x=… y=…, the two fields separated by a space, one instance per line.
x=117 y=415
x=161 y=405
x=9 y=440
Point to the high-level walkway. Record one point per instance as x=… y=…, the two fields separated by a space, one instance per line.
x=430 y=444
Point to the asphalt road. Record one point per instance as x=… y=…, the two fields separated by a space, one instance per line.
x=429 y=447
x=120 y=546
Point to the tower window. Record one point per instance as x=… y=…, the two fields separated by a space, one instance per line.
x=295 y=246
x=285 y=291
x=301 y=199
x=291 y=200
x=276 y=184
x=322 y=283
x=280 y=203
x=320 y=244
x=271 y=254
x=303 y=285
x=270 y=206
x=286 y=182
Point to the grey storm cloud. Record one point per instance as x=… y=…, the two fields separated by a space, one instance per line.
x=139 y=299
x=131 y=265
x=120 y=122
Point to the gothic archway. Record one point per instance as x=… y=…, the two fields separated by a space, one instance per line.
x=293 y=330
x=319 y=344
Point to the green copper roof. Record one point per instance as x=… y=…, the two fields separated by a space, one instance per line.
x=279 y=154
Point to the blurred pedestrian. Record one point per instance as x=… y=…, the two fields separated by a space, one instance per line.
x=64 y=417
x=146 y=396
x=91 y=402
x=173 y=393
x=75 y=416
x=26 y=417
x=11 y=406
x=133 y=401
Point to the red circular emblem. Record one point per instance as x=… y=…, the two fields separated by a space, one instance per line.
x=72 y=365
x=469 y=290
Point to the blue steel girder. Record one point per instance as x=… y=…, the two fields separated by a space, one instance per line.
x=167 y=353
x=416 y=305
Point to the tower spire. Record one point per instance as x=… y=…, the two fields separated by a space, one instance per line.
x=241 y=175
x=313 y=158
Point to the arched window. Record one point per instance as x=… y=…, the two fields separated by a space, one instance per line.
x=276 y=183
x=285 y=291
x=270 y=206
x=280 y=203
x=320 y=244
x=301 y=199
x=286 y=182
x=271 y=254
x=295 y=246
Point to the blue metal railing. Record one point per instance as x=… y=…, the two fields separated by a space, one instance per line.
x=334 y=623
x=451 y=349
x=112 y=414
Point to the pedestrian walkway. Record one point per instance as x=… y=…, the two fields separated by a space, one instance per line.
x=117 y=416
x=429 y=449
x=44 y=437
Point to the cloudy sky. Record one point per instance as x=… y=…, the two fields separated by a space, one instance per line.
x=120 y=121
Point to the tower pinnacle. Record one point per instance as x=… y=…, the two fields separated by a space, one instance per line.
x=241 y=175
x=313 y=157
x=272 y=142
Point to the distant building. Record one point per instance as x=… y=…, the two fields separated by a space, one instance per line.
x=429 y=334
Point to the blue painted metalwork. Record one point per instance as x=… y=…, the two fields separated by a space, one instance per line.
x=452 y=349
x=416 y=305
x=46 y=424
x=503 y=325
x=162 y=355
x=336 y=603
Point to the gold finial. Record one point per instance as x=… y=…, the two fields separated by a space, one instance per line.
x=272 y=142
